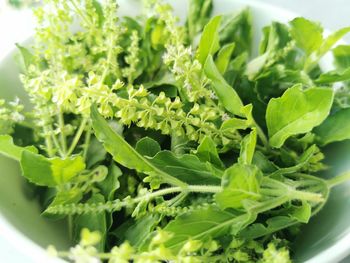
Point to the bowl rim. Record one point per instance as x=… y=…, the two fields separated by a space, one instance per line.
x=33 y=251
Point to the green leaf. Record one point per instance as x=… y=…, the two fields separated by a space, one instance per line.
x=187 y=168
x=247 y=148
x=297 y=112
x=199 y=12
x=226 y=94
x=236 y=68
x=233 y=124
x=64 y=170
x=335 y=128
x=275 y=37
x=99 y=12
x=237 y=28
x=158 y=35
x=97 y=222
x=295 y=214
x=224 y=57
x=96 y=153
x=198 y=225
x=240 y=182
x=332 y=39
x=9 y=149
x=111 y=183
x=50 y=172
x=71 y=196
x=333 y=76
x=147 y=147
x=263 y=163
x=273 y=224
x=256 y=65
x=27 y=56
x=209 y=42
x=301 y=162
x=341 y=55
x=122 y=152
x=307 y=34
x=301 y=213
x=207 y=152
x=37 y=169
x=138 y=232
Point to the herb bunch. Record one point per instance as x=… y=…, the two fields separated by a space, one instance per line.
x=161 y=141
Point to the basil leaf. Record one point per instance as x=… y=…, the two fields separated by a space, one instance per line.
x=122 y=152
x=247 y=148
x=207 y=152
x=301 y=213
x=307 y=34
x=64 y=170
x=332 y=39
x=333 y=76
x=226 y=94
x=198 y=225
x=335 y=128
x=187 y=168
x=199 y=12
x=111 y=183
x=9 y=149
x=71 y=196
x=209 y=42
x=27 y=56
x=224 y=57
x=37 y=169
x=237 y=28
x=273 y=224
x=97 y=222
x=240 y=182
x=147 y=147
x=96 y=153
x=341 y=55
x=50 y=172
x=138 y=232
x=301 y=162
x=297 y=112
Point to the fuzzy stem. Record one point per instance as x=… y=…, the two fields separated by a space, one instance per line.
x=175 y=189
x=339 y=179
x=87 y=141
x=48 y=142
x=57 y=145
x=261 y=135
x=80 y=13
x=306 y=196
x=115 y=205
x=62 y=135
x=77 y=136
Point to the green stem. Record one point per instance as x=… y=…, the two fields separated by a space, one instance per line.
x=87 y=141
x=80 y=13
x=339 y=179
x=77 y=136
x=57 y=145
x=115 y=205
x=175 y=189
x=48 y=142
x=306 y=196
x=62 y=135
x=261 y=135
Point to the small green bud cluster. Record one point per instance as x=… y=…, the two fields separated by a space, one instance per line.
x=10 y=113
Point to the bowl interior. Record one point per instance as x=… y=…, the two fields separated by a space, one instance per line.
x=320 y=241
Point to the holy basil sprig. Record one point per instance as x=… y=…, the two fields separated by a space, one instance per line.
x=167 y=141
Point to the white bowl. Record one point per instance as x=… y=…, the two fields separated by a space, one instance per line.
x=20 y=222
